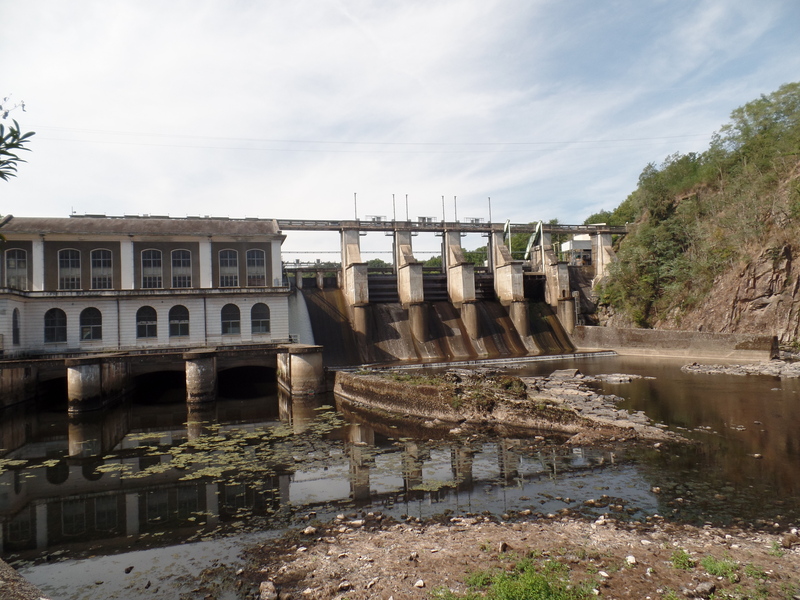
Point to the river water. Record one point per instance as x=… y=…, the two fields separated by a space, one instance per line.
x=134 y=502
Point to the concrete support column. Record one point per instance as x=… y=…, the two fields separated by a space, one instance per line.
x=461 y=459
x=320 y=280
x=518 y=312
x=557 y=279
x=418 y=319
x=566 y=314
x=37 y=264
x=354 y=270
x=41 y=525
x=507 y=272
x=17 y=384
x=200 y=418
x=132 y=514
x=602 y=255
x=126 y=261
x=469 y=316
x=276 y=268
x=414 y=457
x=201 y=376
x=409 y=270
x=460 y=272
x=300 y=370
x=205 y=261
x=84 y=384
x=85 y=436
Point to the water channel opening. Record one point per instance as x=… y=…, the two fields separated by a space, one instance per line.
x=159 y=387
x=246 y=382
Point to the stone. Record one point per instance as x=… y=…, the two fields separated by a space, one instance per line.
x=630 y=559
x=345 y=585
x=704 y=589
x=419 y=583
x=267 y=591
x=309 y=530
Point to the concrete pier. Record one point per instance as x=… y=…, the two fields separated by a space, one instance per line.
x=93 y=383
x=300 y=370
x=201 y=376
x=409 y=270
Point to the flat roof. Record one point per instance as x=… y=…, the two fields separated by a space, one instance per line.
x=139 y=225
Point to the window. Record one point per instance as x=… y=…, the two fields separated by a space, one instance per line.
x=55 y=326
x=17 y=269
x=151 y=269
x=73 y=517
x=91 y=321
x=15 y=327
x=101 y=269
x=69 y=270
x=256 y=268
x=146 y=322
x=259 y=318
x=230 y=319
x=181 y=269
x=228 y=268
x=105 y=513
x=178 y=321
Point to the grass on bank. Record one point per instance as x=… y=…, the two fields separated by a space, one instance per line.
x=527 y=580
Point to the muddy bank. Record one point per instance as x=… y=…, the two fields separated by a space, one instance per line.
x=14 y=587
x=773 y=368
x=460 y=400
x=365 y=555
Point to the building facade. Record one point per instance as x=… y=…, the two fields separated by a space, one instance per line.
x=99 y=284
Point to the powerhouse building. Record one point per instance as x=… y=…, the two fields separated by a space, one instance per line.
x=99 y=284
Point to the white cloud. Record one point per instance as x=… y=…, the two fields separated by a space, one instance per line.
x=287 y=108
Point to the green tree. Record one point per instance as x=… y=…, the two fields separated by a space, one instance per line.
x=12 y=141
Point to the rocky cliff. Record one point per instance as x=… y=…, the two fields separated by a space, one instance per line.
x=760 y=296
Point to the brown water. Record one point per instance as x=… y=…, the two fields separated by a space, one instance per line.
x=169 y=491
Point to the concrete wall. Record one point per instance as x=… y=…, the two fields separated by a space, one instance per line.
x=686 y=344
x=119 y=322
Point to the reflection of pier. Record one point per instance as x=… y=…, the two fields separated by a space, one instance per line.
x=85 y=480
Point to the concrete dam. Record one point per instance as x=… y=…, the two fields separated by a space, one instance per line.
x=429 y=331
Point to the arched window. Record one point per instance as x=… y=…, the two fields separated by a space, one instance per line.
x=228 y=268
x=146 y=322
x=178 y=321
x=231 y=319
x=55 y=326
x=102 y=272
x=17 y=269
x=181 y=269
x=256 y=268
x=151 y=269
x=259 y=318
x=69 y=269
x=91 y=321
x=15 y=327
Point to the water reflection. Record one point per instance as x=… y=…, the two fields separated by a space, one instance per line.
x=165 y=473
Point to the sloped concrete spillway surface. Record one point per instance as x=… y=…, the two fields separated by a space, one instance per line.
x=430 y=331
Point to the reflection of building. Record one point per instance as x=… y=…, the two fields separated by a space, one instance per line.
x=96 y=283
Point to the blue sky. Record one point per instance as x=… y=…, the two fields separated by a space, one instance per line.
x=286 y=109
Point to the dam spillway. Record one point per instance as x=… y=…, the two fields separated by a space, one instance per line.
x=430 y=331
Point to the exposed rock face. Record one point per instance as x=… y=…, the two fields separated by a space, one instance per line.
x=760 y=297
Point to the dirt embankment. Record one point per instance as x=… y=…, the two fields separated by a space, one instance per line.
x=466 y=399
x=361 y=556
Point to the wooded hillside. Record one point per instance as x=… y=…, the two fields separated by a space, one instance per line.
x=714 y=233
